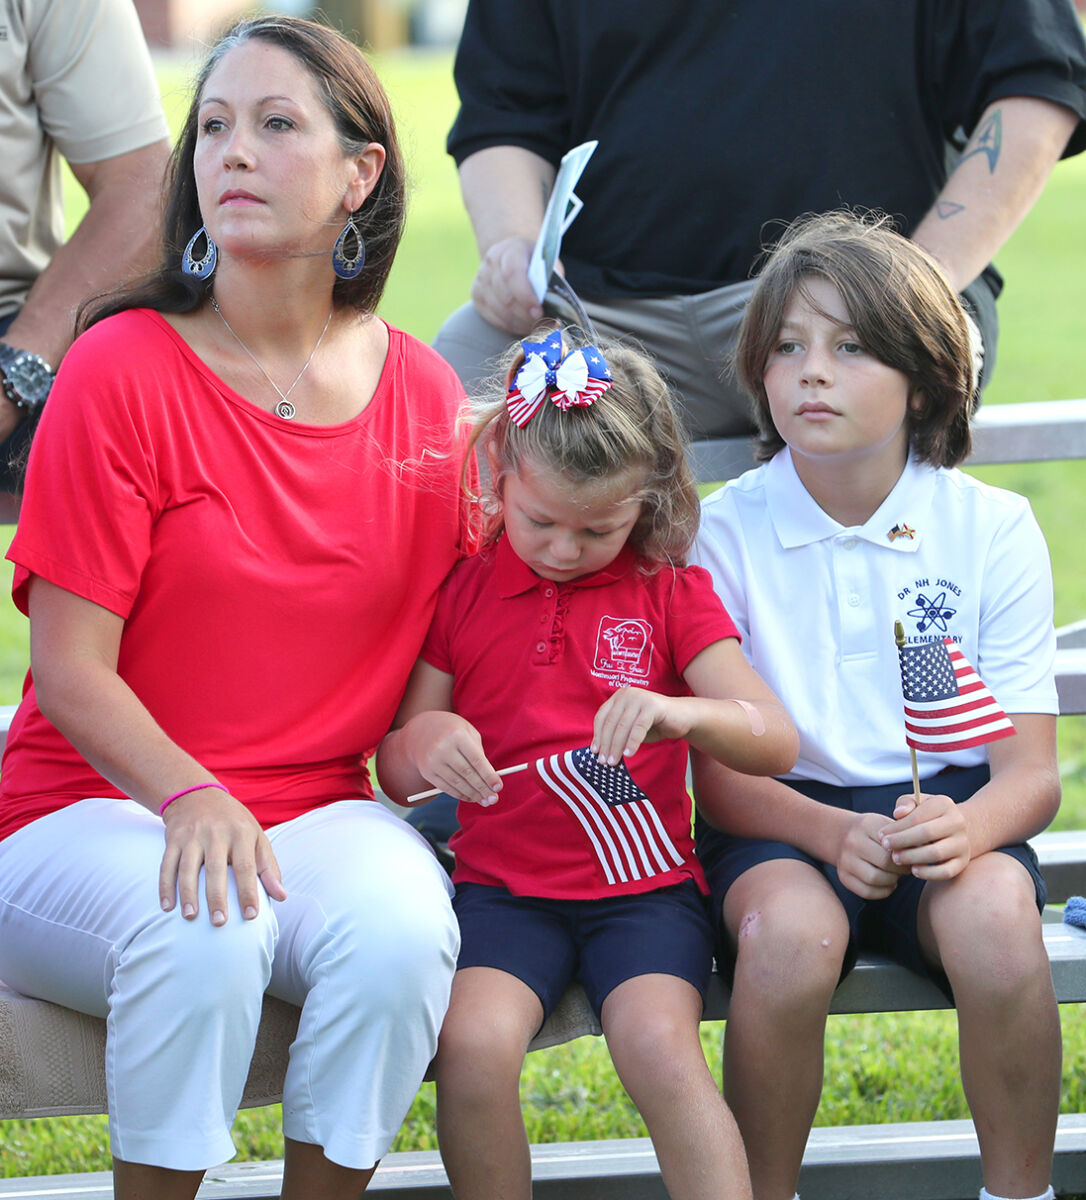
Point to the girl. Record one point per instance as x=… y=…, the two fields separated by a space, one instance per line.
x=856 y=351
x=578 y=629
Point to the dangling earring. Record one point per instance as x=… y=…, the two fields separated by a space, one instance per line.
x=201 y=268
x=349 y=265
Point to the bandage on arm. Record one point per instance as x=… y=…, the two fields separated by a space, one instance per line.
x=757 y=723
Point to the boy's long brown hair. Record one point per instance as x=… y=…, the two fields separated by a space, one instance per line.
x=903 y=311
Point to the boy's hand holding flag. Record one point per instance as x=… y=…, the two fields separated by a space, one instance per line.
x=947 y=707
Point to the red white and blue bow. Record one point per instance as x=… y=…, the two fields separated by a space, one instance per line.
x=576 y=380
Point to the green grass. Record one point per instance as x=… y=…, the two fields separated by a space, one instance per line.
x=872 y=1071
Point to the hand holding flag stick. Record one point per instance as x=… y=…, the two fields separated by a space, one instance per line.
x=947 y=706
x=429 y=795
x=621 y=825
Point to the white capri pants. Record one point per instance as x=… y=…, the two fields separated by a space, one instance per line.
x=365 y=943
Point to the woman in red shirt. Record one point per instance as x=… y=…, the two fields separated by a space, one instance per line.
x=241 y=502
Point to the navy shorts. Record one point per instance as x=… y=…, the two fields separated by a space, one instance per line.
x=602 y=943
x=887 y=926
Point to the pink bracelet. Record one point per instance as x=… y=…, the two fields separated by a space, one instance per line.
x=196 y=787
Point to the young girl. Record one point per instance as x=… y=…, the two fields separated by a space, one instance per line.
x=856 y=352
x=578 y=629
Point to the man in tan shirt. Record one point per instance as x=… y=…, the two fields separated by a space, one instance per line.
x=76 y=81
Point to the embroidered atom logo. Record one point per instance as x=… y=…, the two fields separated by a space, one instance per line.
x=932 y=612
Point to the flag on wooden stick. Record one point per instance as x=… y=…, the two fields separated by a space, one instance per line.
x=947 y=706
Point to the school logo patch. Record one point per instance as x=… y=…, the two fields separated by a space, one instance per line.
x=933 y=605
x=624 y=646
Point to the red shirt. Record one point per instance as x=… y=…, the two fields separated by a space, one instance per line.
x=276 y=579
x=532 y=660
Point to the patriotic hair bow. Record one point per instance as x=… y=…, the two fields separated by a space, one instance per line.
x=576 y=380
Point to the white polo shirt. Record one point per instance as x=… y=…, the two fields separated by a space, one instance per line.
x=816 y=604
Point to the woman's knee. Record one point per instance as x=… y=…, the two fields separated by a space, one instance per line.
x=212 y=967
x=401 y=953
x=368 y=910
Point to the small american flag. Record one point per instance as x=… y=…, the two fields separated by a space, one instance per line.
x=947 y=706
x=624 y=829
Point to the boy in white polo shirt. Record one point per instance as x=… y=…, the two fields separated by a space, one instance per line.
x=856 y=352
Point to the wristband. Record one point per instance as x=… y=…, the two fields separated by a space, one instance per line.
x=196 y=787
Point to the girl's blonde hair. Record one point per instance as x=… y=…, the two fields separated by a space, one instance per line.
x=633 y=425
x=902 y=310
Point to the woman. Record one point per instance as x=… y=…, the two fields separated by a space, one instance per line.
x=240 y=505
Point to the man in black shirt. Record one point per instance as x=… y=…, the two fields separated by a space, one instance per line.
x=719 y=123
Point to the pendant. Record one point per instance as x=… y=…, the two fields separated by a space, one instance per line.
x=286 y=410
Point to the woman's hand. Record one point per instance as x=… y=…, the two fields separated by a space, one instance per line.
x=448 y=752
x=74 y=650
x=930 y=839
x=209 y=828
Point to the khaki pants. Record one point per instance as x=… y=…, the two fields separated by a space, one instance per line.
x=689 y=337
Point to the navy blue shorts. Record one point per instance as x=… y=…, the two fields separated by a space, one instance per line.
x=886 y=926
x=602 y=943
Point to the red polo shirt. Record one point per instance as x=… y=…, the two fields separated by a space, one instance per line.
x=276 y=579
x=532 y=661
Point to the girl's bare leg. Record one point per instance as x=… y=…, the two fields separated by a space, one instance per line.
x=651 y=1024
x=491 y=1019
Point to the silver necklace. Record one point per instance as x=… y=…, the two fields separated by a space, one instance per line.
x=284 y=408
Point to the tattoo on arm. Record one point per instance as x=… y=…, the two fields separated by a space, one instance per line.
x=987 y=140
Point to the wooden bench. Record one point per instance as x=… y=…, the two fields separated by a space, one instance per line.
x=51 y=1059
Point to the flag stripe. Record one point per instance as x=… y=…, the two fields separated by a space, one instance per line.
x=556 y=790
x=655 y=847
x=662 y=842
x=988 y=721
x=957 y=741
x=981 y=704
x=949 y=716
x=629 y=839
x=993 y=719
x=646 y=867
